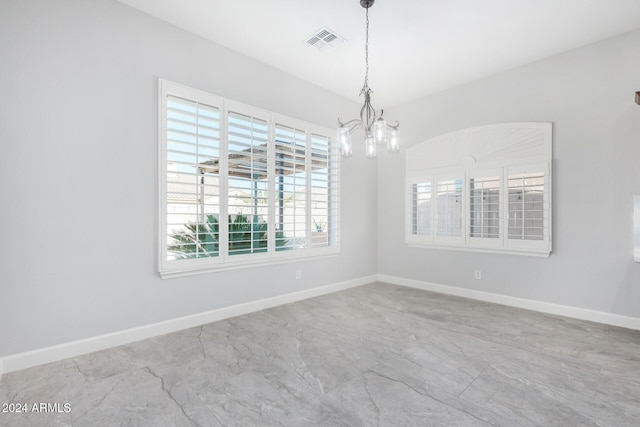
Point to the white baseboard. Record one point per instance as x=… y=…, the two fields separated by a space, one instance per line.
x=55 y=353
x=543 y=307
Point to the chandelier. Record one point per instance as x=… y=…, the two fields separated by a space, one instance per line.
x=376 y=129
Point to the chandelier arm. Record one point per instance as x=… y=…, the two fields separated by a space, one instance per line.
x=357 y=121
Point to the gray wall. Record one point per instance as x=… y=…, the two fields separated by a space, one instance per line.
x=588 y=94
x=78 y=167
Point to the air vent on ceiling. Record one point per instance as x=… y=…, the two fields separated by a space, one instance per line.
x=324 y=38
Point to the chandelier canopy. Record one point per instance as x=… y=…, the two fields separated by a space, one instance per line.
x=376 y=129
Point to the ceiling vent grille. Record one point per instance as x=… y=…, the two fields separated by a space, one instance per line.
x=325 y=38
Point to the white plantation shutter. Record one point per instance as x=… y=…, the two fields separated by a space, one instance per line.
x=484 y=207
x=420 y=206
x=324 y=191
x=449 y=208
x=237 y=188
x=290 y=170
x=247 y=189
x=528 y=208
x=192 y=186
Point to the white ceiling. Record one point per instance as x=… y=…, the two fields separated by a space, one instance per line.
x=417 y=47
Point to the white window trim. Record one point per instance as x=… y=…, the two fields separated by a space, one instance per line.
x=224 y=261
x=494 y=150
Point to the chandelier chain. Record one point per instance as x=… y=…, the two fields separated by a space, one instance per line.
x=366 y=55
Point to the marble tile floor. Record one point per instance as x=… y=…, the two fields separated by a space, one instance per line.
x=377 y=355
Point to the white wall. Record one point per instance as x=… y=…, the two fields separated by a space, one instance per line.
x=588 y=94
x=78 y=172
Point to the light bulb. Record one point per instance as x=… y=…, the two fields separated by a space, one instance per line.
x=380 y=131
x=344 y=139
x=393 y=145
x=371 y=149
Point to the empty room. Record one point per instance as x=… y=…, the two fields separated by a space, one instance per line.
x=334 y=213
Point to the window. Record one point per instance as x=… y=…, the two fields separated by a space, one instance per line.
x=449 y=208
x=247 y=204
x=240 y=186
x=291 y=186
x=192 y=185
x=420 y=196
x=484 y=207
x=526 y=206
x=324 y=194
x=491 y=191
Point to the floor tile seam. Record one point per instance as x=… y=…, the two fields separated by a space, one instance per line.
x=473 y=381
x=169 y=393
x=462 y=397
x=335 y=392
x=75 y=419
x=426 y=393
x=149 y=370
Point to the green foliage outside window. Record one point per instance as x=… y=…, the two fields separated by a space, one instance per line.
x=202 y=240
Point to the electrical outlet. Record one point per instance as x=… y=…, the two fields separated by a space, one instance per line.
x=478 y=274
x=298 y=274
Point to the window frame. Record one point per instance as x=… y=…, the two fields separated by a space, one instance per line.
x=225 y=261
x=485 y=151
